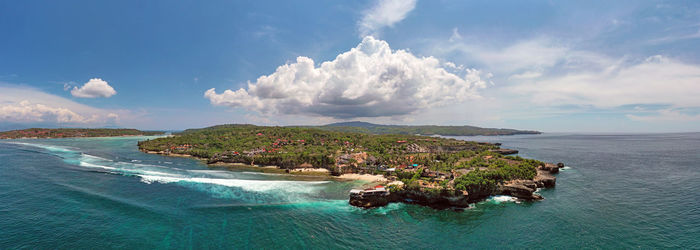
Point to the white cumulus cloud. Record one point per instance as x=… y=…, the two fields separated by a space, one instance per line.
x=25 y=111
x=385 y=13
x=26 y=105
x=96 y=87
x=370 y=80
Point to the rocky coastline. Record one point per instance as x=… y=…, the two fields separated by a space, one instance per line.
x=520 y=189
x=433 y=171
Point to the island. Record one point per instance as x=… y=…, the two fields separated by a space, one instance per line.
x=371 y=128
x=432 y=171
x=40 y=133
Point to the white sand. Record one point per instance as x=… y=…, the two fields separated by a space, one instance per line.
x=319 y=170
x=363 y=177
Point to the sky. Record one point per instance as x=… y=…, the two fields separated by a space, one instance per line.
x=553 y=66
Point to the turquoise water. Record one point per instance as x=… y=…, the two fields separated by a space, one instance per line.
x=618 y=191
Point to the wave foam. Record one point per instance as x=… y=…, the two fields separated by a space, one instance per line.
x=90 y=165
x=502 y=198
x=51 y=148
x=250 y=185
x=165 y=174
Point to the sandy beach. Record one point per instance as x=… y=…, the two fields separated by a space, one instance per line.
x=363 y=177
x=307 y=170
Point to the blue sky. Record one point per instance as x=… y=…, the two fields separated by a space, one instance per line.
x=586 y=66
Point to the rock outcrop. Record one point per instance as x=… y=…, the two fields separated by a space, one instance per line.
x=521 y=189
x=369 y=202
x=444 y=199
x=551 y=168
x=545 y=179
x=504 y=151
x=369 y=198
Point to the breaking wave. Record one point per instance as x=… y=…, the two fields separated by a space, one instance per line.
x=498 y=199
x=250 y=185
x=217 y=182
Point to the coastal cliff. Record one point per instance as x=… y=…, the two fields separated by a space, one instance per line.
x=450 y=198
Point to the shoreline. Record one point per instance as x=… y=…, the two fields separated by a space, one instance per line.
x=372 y=193
x=319 y=172
x=71 y=137
x=363 y=177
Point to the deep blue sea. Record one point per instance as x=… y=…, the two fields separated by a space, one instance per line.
x=618 y=191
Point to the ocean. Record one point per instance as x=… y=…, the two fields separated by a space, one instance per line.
x=617 y=191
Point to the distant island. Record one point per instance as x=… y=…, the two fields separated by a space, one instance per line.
x=371 y=128
x=432 y=171
x=73 y=132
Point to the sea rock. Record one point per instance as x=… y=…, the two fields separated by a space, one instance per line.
x=445 y=199
x=528 y=183
x=369 y=202
x=545 y=179
x=521 y=189
x=549 y=167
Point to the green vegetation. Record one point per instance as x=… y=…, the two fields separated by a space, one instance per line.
x=72 y=132
x=428 y=163
x=289 y=147
x=369 y=128
x=496 y=171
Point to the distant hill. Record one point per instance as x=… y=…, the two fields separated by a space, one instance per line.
x=73 y=132
x=371 y=128
x=354 y=124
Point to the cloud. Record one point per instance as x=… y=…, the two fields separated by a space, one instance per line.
x=526 y=75
x=665 y=115
x=96 y=87
x=112 y=118
x=370 y=80
x=24 y=105
x=25 y=111
x=521 y=59
x=543 y=72
x=655 y=80
x=455 y=35
x=266 y=31
x=545 y=79
x=385 y=13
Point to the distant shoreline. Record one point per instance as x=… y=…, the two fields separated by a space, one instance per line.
x=37 y=138
x=57 y=133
